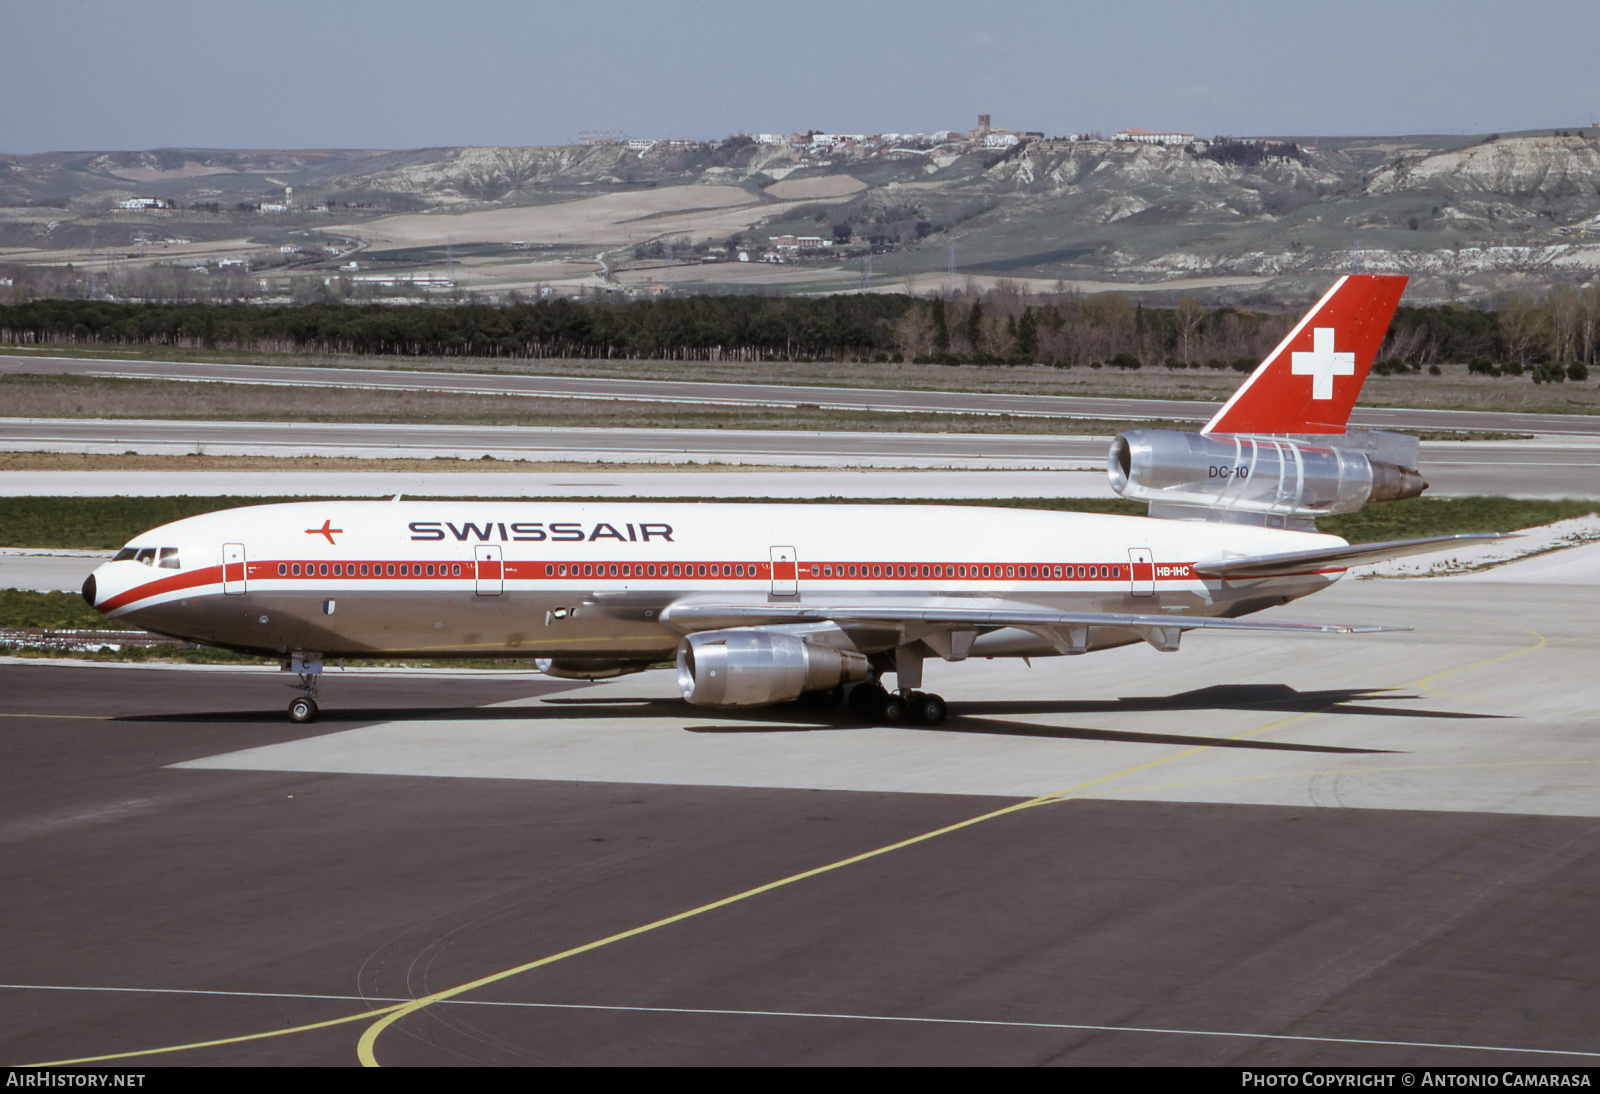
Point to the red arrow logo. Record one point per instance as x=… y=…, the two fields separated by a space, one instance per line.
x=327 y=529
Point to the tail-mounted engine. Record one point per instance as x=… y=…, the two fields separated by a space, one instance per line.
x=1281 y=481
x=746 y=668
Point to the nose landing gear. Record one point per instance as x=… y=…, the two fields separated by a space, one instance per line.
x=308 y=666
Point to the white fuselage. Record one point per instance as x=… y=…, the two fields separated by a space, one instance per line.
x=590 y=580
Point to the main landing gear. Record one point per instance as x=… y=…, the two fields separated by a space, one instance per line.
x=308 y=666
x=872 y=702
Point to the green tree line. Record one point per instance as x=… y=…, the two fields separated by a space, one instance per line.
x=1557 y=336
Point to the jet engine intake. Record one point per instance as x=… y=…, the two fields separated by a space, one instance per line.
x=1253 y=478
x=748 y=667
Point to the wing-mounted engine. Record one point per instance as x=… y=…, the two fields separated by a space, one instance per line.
x=753 y=667
x=1280 y=481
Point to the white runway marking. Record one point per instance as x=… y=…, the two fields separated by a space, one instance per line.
x=838 y=1016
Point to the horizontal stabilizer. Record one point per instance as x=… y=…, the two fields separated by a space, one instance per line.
x=1337 y=557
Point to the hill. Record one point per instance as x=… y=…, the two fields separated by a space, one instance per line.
x=1250 y=220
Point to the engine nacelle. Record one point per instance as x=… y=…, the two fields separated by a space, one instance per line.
x=1271 y=479
x=751 y=668
x=583 y=668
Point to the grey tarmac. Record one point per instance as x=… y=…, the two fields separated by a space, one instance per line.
x=1378 y=851
x=1543 y=467
x=767 y=395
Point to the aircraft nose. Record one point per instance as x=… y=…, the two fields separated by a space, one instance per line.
x=89 y=590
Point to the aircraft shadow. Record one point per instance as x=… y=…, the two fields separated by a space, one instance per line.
x=1280 y=697
x=998 y=717
x=1000 y=728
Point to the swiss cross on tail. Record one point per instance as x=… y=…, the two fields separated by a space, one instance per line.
x=1310 y=382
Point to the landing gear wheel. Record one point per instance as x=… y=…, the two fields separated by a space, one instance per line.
x=303 y=710
x=865 y=700
x=930 y=710
x=892 y=710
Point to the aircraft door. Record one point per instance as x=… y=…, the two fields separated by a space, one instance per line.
x=785 y=574
x=1142 y=568
x=490 y=570
x=233 y=569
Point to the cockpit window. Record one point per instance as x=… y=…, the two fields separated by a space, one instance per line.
x=164 y=557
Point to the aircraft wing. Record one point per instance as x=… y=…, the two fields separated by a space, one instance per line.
x=940 y=625
x=1337 y=557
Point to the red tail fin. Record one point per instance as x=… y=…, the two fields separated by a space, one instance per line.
x=1310 y=382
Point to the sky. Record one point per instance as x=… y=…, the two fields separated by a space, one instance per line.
x=81 y=75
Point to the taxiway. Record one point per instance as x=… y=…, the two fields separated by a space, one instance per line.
x=1362 y=850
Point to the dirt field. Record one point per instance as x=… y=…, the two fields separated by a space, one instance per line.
x=607 y=219
x=106 y=257
x=828 y=186
x=929 y=283
x=190 y=170
x=743 y=273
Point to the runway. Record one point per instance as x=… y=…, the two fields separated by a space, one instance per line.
x=1544 y=467
x=1379 y=850
x=765 y=395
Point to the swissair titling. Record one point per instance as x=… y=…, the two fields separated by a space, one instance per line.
x=766 y=604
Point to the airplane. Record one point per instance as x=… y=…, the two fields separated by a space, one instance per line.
x=766 y=604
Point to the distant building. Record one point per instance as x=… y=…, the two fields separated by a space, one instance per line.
x=790 y=245
x=143 y=203
x=395 y=281
x=1146 y=136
